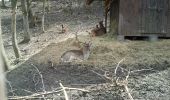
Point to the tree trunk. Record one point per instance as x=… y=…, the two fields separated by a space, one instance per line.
x=14 y=40
x=27 y=36
x=3 y=54
x=3 y=4
x=30 y=13
x=2 y=76
x=106 y=13
x=44 y=2
x=106 y=21
x=48 y=6
x=2 y=81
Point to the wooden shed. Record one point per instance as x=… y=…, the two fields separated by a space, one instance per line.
x=150 y=18
x=140 y=18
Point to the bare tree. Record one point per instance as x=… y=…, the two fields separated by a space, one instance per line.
x=3 y=54
x=43 y=17
x=48 y=6
x=2 y=83
x=14 y=40
x=27 y=36
x=30 y=13
x=3 y=4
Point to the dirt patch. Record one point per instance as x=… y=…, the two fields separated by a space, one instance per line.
x=106 y=52
x=104 y=57
x=26 y=78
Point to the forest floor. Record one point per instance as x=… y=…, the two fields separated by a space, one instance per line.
x=152 y=84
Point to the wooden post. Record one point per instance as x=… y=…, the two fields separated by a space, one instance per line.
x=114 y=17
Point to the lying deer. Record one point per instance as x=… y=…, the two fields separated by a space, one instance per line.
x=102 y=28
x=94 y=31
x=98 y=30
x=80 y=55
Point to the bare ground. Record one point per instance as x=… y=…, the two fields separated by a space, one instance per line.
x=106 y=52
x=145 y=85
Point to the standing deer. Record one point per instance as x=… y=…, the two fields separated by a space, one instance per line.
x=80 y=55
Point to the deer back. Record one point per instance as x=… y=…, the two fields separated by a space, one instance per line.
x=82 y=54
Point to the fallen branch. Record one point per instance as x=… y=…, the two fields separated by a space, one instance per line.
x=65 y=93
x=118 y=66
x=127 y=91
x=37 y=95
x=124 y=83
x=42 y=81
x=102 y=76
x=11 y=88
x=134 y=71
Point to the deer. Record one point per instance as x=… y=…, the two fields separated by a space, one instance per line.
x=98 y=30
x=107 y=4
x=77 y=42
x=102 y=28
x=94 y=31
x=77 y=55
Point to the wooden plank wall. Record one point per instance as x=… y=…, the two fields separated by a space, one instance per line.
x=129 y=17
x=137 y=17
x=168 y=26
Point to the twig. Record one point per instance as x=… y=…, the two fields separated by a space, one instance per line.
x=35 y=82
x=102 y=76
x=11 y=88
x=42 y=81
x=134 y=71
x=27 y=91
x=126 y=87
x=36 y=95
x=124 y=82
x=127 y=75
x=77 y=89
x=118 y=65
x=65 y=93
x=127 y=91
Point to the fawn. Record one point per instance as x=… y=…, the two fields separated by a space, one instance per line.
x=80 y=55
